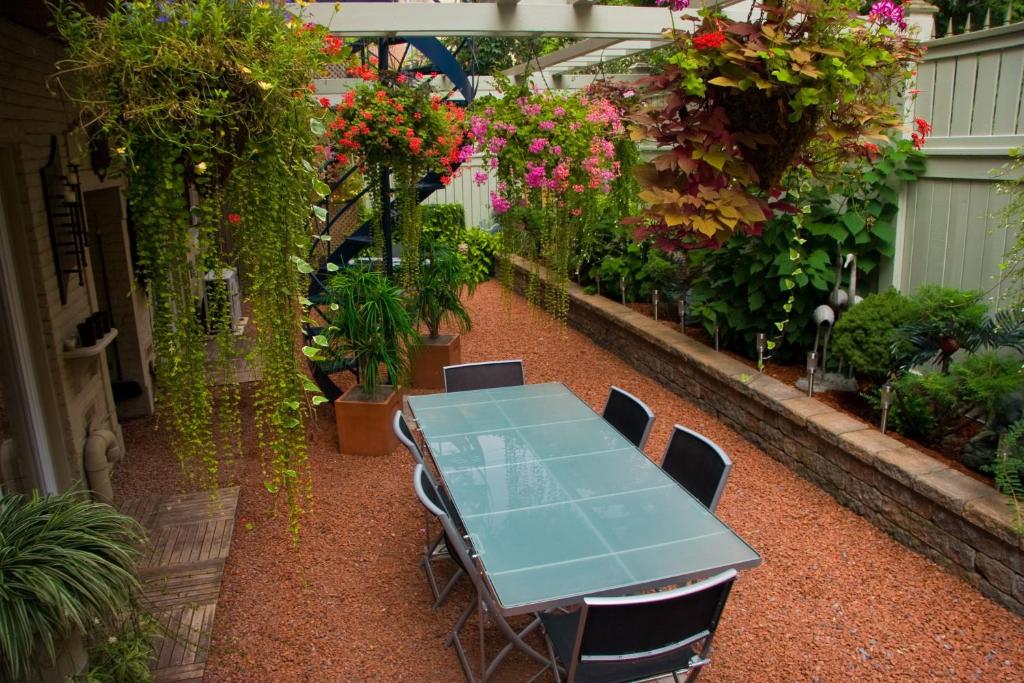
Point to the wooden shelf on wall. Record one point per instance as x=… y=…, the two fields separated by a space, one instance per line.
x=93 y=350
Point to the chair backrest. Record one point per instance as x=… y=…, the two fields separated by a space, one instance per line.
x=641 y=636
x=698 y=464
x=488 y=375
x=430 y=498
x=404 y=435
x=629 y=415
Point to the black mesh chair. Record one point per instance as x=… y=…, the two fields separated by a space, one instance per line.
x=484 y=604
x=489 y=375
x=698 y=464
x=629 y=415
x=404 y=435
x=439 y=548
x=638 y=637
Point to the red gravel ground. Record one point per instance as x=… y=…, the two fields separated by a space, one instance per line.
x=835 y=600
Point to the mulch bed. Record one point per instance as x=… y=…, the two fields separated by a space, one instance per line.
x=835 y=600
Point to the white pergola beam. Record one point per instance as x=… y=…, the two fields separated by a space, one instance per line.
x=358 y=19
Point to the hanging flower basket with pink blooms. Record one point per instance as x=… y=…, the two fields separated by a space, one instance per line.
x=800 y=83
x=554 y=155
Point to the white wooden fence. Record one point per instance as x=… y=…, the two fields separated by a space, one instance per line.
x=971 y=91
x=464 y=190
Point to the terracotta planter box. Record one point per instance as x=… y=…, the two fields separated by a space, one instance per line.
x=364 y=422
x=432 y=357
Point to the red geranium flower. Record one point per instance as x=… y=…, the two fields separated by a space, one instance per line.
x=709 y=41
x=234 y=218
x=923 y=126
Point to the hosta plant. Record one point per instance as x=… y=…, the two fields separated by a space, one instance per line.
x=802 y=82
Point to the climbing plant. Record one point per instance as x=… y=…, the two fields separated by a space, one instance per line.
x=208 y=106
x=396 y=122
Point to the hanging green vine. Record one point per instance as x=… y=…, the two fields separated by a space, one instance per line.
x=208 y=106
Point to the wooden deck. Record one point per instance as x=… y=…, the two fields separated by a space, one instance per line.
x=191 y=537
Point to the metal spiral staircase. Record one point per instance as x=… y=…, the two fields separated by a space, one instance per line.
x=329 y=255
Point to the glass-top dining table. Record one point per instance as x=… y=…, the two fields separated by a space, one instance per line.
x=558 y=505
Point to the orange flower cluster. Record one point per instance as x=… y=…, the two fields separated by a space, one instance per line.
x=395 y=121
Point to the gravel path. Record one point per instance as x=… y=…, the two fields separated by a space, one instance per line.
x=835 y=600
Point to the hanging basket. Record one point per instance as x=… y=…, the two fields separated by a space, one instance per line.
x=759 y=113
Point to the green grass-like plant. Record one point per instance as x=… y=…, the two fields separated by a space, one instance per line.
x=125 y=655
x=65 y=563
x=443 y=278
x=370 y=322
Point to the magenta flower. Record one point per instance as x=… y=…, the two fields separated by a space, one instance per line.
x=556 y=150
x=546 y=125
x=578 y=188
x=536 y=175
x=537 y=144
x=559 y=111
x=496 y=144
x=531 y=109
x=888 y=12
x=480 y=177
x=499 y=203
x=478 y=127
x=674 y=5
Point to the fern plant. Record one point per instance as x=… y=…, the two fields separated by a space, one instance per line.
x=370 y=322
x=443 y=278
x=65 y=564
x=1008 y=470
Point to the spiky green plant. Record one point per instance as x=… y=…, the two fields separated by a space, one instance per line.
x=443 y=278
x=65 y=563
x=369 y=322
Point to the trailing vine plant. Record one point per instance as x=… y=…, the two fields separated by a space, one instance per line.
x=555 y=157
x=208 y=106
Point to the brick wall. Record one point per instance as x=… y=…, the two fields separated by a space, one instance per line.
x=958 y=522
x=29 y=114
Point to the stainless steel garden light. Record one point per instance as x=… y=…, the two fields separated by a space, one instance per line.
x=812 y=366
x=760 y=351
x=886 y=397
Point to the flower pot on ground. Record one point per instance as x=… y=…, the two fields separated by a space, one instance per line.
x=67 y=566
x=438 y=301
x=369 y=323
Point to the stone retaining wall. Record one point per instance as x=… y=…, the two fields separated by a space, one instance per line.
x=958 y=522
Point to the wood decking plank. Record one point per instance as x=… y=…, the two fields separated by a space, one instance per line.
x=190 y=537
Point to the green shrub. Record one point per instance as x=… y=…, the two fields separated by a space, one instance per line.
x=985 y=379
x=863 y=336
x=612 y=253
x=479 y=253
x=443 y=222
x=772 y=282
x=926 y=408
x=934 y=406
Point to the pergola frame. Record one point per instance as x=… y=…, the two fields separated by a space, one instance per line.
x=608 y=32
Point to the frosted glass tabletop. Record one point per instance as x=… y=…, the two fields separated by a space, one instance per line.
x=559 y=505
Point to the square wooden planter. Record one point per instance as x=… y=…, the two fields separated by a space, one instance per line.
x=431 y=358
x=364 y=422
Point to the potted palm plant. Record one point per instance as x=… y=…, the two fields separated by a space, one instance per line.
x=438 y=301
x=370 y=323
x=67 y=567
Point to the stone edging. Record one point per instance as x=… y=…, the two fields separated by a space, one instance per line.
x=956 y=521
